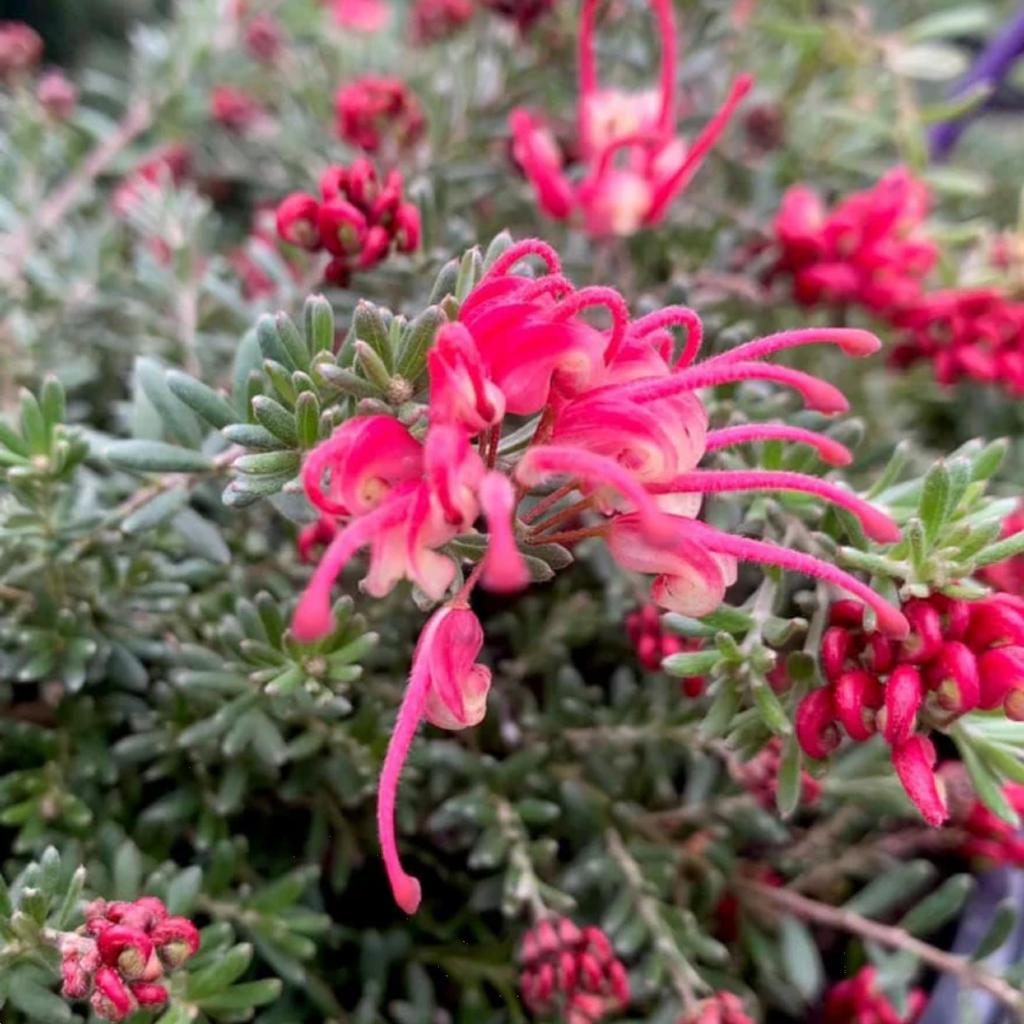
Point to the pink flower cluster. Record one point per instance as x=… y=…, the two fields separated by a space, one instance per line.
x=634 y=163
x=858 y=1000
x=571 y=972
x=171 y=164
x=372 y=111
x=118 y=958
x=234 y=109
x=870 y=250
x=721 y=1008
x=615 y=415
x=358 y=220
x=958 y=657
x=21 y=49
x=760 y=778
x=650 y=639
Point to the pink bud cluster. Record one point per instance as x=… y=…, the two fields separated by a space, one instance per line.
x=869 y=250
x=435 y=20
x=234 y=109
x=721 y=1008
x=170 y=164
x=858 y=1000
x=958 y=657
x=654 y=644
x=760 y=778
x=118 y=958
x=264 y=39
x=571 y=972
x=21 y=49
x=373 y=112
x=358 y=219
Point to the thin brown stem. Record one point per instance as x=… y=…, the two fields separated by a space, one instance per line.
x=570 y=536
x=969 y=974
x=560 y=517
x=545 y=503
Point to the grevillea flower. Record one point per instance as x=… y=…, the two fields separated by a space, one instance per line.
x=859 y=1000
x=21 y=49
x=572 y=972
x=869 y=249
x=634 y=163
x=373 y=110
x=958 y=656
x=619 y=435
x=760 y=778
x=987 y=838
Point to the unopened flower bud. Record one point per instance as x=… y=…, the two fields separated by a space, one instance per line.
x=176 y=941
x=925 y=633
x=1014 y=704
x=407 y=227
x=914 y=761
x=953 y=675
x=334 y=183
x=363 y=185
x=342 y=228
x=857 y=696
x=835 y=647
x=846 y=613
x=878 y=653
x=111 y=999
x=338 y=272
x=903 y=696
x=1000 y=670
x=76 y=980
x=126 y=948
x=375 y=246
x=297 y=220
x=815 y=724
x=57 y=96
x=994 y=624
x=149 y=995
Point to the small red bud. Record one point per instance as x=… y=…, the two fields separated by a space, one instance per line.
x=857 y=696
x=846 y=613
x=128 y=949
x=76 y=980
x=297 y=220
x=375 y=246
x=342 y=228
x=1000 y=670
x=815 y=724
x=618 y=981
x=111 y=1000
x=407 y=228
x=878 y=654
x=1014 y=704
x=903 y=695
x=914 y=761
x=362 y=183
x=149 y=994
x=334 y=183
x=835 y=647
x=953 y=675
x=176 y=940
x=338 y=272
x=994 y=624
x=925 y=633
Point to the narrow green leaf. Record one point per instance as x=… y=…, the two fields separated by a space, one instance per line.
x=33 y=424
x=251 y=435
x=500 y=244
x=722 y=711
x=801 y=959
x=248 y=359
x=417 y=342
x=12 y=440
x=319 y=324
x=369 y=325
x=307 y=419
x=177 y=418
x=989 y=459
x=162 y=508
x=790 y=787
x=696 y=663
x=769 y=706
x=893 y=889
x=184 y=890
x=276 y=418
x=934 y=504
x=470 y=271
x=294 y=343
x=156 y=457
x=53 y=402
x=242 y=997
x=987 y=786
x=226 y=970
x=201 y=399
x=271 y=344
x=266 y=463
x=445 y=283
x=940 y=907
x=1003 y=922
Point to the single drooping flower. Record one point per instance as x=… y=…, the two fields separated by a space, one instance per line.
x=959 y=656
x=571 y=973
x=359 y=219
x=615 y=418
x=120 y=956
x=373 y=112
x=721 y=1008
x=21 y=49
x=868 y=250
x=966 y=334
x=57 y=96
x=435 y=20
x=234 y=108
x=859 y=1000
x=634 y=164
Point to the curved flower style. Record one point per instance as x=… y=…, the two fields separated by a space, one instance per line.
x=634 y=163
x=619 y=430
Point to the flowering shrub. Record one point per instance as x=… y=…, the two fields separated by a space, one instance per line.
x=432 y=595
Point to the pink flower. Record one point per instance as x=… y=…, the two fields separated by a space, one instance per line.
x=56 y=95
x=449 y=689
x=361 y=15
x=168 y=164
x=21 y=49
x=618 y=423
x=634 y=164
x=372 y=110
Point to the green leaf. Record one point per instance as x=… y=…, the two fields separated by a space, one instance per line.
x=201 y=399
x=722 y=711
x=319 y=323
x=251 y=435
x=988 y=461
x=1000 y=551
x=346 y=381
x=790 y=787
x=987 y=786
x=445 y=283
x=951 y=24
x=696 y=663
x=38 y=1003
x=933 y=507
x=928 y=62
x=248 y=359
x=12 y=440
x=242 y=997
x=33 y=424
x=470 y=271
x=226 y=970
x=294 y=343
x=500 y=244
x=265 y=463
x=271 y=345
x=417 y=342
x=370 y=328
x=176 y=417
x=5 y=898
x=155 y=457
x=276 y=418
x=184 y=890
x=769 y=706
x=801 y=959
x=162 y=508
x=127 y=871
x=281 y=894
x=891 y=890
x=53 y=402
x=307 y=419
x=999 y=931
x=940 y=907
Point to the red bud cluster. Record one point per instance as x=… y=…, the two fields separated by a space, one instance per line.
x=959 y=656
x=859 y=1001
x=372 y=111
x=358 y=220
x=434 y=20
x=234 y=108
x=120 y=955
x=721 y=1008
x=572 y=972
x=20 y=49
x=653 y=645
x=760 y=778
